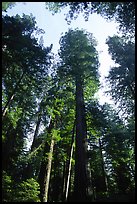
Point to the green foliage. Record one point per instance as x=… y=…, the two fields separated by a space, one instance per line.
x=78 y=55
x=40 y=96
x=122 y=12
x=34 y=154
x=6 y=187
x=104 y=123
x=27 y=191
x=54 y=7
x=22 y=56
x=23 y=53
x=116 y=140
x=14 y=116
x=121 y=79
x=56 y=135
x=6 y=5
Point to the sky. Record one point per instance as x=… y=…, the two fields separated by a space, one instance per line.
x=55 y=25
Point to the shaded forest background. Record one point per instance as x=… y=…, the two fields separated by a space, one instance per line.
x=81 y=151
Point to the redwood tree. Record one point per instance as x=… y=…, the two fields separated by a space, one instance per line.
x=79 y=63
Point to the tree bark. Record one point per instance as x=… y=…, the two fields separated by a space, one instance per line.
x=80 y=182
x=69 y=165
x=44 y=164
x=37 y=127
x=28 y=173
x=105 y=183
x=47 y=177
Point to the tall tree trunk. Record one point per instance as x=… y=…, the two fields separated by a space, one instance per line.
x=28 y=173
x=65 y=163
x=8 y=146
x=57 y=177
x=91 y=187
x=37 y=127
x=80 y=188
x=47 y=176
x=12 y=96
x=104 y=182
x=123 y=177
x=44 y=164
x=69 y=165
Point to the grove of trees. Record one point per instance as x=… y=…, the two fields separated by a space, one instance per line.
x=81 y=151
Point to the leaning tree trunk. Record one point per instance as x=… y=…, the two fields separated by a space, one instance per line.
x=12 y=96
x=69 y=164
x=37 y=127
x=80 y=182
x=44 y=164
x=28 y=173
x=47 y=176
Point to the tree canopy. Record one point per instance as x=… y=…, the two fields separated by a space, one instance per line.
x=6 y=5
x=122 y=77
x=109 y=10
